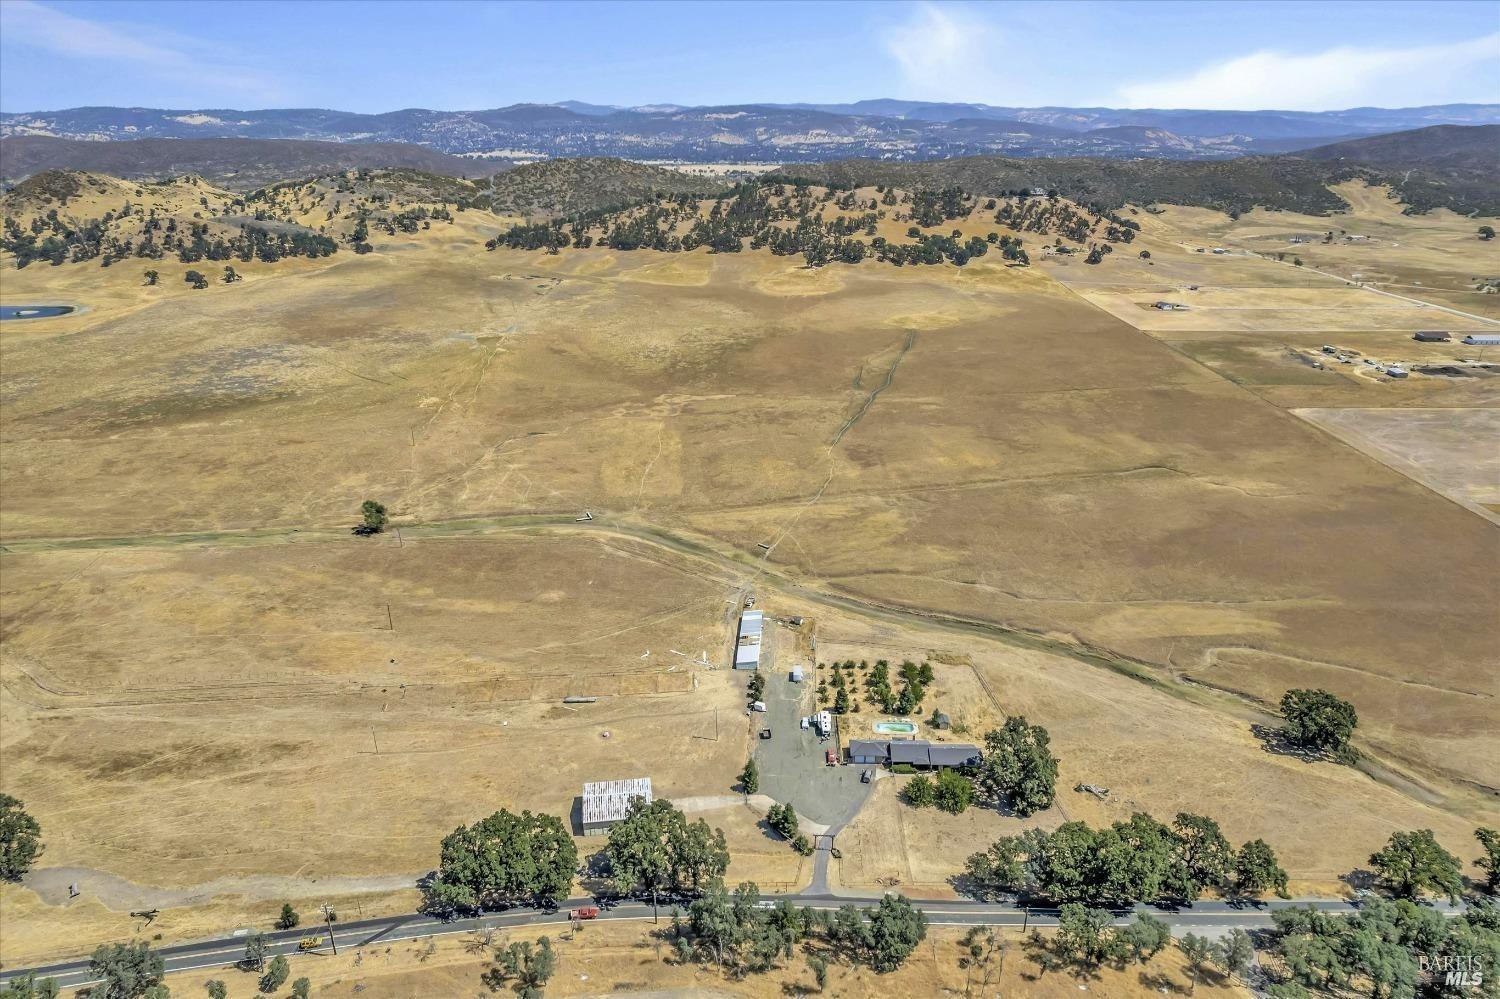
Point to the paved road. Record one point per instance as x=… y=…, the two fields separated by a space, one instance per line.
x=223 y=952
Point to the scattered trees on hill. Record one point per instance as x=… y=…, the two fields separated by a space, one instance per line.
x=792 y=219
x=1413 y=863
x=128 y=971
x=1319 y=722
x=1139 y=860
x=657 y=849
x=288 y=918
x=20 y=839
x=1486 y=232
x=1018 y=767
x=505 y=859
x=58 y=240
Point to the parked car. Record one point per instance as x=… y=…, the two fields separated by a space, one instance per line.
x=865 y=777
x=765 y=733
x=830 y=758
x=806 y=724
x=758 y=706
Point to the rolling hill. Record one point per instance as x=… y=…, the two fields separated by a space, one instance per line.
x=1444 y=166
x=236 y=164
x=565 y=187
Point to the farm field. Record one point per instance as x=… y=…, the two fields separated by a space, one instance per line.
x=1116 y=527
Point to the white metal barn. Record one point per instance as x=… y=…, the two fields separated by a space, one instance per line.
x=606 y=801
x=747 y=645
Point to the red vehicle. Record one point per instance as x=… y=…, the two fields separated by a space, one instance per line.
x=586 y=912
x=832 y=760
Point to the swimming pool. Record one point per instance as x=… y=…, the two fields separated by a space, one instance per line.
x=33 y=311
x=896 y=727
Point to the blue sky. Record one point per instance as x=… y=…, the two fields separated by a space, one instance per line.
x=385 y=56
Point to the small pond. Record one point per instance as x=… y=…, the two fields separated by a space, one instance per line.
x=34 y=311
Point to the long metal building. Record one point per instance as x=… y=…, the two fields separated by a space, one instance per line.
x=747 y=644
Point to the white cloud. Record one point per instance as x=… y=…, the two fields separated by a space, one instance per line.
x=1333 y=79
x=169 y=57
x=946 y=53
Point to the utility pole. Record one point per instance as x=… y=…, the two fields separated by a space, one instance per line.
x=327 y=911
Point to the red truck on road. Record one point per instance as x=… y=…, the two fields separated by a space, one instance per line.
x=586 y=912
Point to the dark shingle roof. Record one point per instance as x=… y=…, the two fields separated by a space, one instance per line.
x=955 y=755
x=909 y=752
x=869 y=747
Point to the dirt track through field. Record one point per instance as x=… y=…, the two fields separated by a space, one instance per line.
x=890 y=376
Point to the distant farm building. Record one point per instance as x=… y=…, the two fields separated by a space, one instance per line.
x=747 y=644
x=1431 y=336
x=918 y=753
x=1169 y=307
x=1483 y=339
x=605 y=802
x=796 y=674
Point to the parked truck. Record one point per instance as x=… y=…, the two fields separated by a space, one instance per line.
x=583 y=912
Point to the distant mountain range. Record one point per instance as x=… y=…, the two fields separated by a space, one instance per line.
x=878 y=129
x=236 y=164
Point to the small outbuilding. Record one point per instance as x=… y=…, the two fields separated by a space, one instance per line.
x=1431 y=336
x=796 y=674
x=605 y=802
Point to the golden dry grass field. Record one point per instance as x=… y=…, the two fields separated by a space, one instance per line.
x=210 y=690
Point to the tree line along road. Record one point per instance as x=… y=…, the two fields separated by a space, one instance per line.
x=228 y=950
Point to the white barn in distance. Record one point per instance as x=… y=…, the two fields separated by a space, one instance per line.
x=605 y=802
